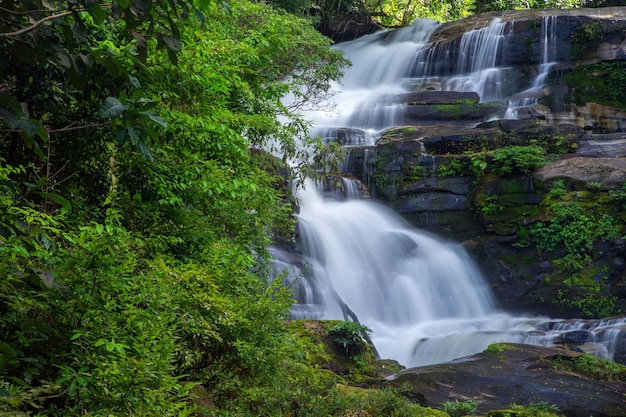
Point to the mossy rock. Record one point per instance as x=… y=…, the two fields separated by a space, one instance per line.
x=380 y=402
x=322 y=351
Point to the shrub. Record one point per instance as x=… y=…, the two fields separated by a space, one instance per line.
x=460 y=408
x=351 y=336
x=517 y=159
x=600 y=367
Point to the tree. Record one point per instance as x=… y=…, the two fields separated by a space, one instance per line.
x=137 y=199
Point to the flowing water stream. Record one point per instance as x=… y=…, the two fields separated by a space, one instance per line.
x=423 y=298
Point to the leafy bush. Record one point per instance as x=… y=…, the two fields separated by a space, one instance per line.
x=575 y=231
x=600 y=367
x=452 y=168
x=460 y=408
x=351 y=336
x=488 y=204
x=517 y=159
x=558 y=189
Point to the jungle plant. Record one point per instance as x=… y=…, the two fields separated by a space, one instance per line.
x=351 y=336
x=558 y=189
x=600 y=367
x=575 y=231
x=488 y=205
x=517 y=159
x=452 y=168
x=460 y=408
x=595 y=304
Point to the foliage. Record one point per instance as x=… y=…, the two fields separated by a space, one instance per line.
x=600 y=367
x=594 y=304
x=517 y=159
x=460 y=408
x=598 y=83
x=507 y=160
x=350 y=335
x=558 y=189
x=540 y=409
x=493 y=5
x=488 y=204
x=569 y=228
x=150 y=118
x=452 y=168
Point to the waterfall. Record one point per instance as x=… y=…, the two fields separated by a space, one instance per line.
x=422 y=297
x=530 y=96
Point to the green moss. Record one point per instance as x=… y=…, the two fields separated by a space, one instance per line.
x=379 y=402
x=317 y=339
x=602 y=83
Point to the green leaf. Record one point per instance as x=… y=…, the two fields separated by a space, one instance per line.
x=30 y=127
x=134 y=134
x=227 y=7
x=173 y=58
x=172 y=43
x=134 y=81
x=97 y=12
x=10 y=105
x=121 y=136
x=67 y=206
x=111 y=107
x=156 y=119
x=145 y=151
x=203 y=4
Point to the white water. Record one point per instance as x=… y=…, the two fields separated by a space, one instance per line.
x=531 y=95
x=423 y=298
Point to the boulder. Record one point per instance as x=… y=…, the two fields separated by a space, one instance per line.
x=609 y=173
x=508 y=374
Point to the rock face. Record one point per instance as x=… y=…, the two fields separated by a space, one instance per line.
x=516 y=374
x=465 y=166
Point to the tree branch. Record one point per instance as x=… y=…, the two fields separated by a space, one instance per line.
x=35 y=25
x=63 y=129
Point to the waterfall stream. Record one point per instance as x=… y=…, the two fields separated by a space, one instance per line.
x=423 y=298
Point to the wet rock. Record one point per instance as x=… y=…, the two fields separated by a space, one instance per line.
x=607 y=145
x=459 y=186
x=576 y=337
x=519 y=374
x=431 y=201
x=437 y=97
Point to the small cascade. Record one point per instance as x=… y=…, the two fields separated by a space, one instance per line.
x=531 y=95
x=365 y=99
x=477 y=70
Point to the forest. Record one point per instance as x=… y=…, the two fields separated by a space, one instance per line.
x=138 y=199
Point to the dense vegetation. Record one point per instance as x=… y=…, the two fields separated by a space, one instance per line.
x=137 y=201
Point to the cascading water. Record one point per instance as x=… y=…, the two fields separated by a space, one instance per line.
x=423 y=298
x=530 y=96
